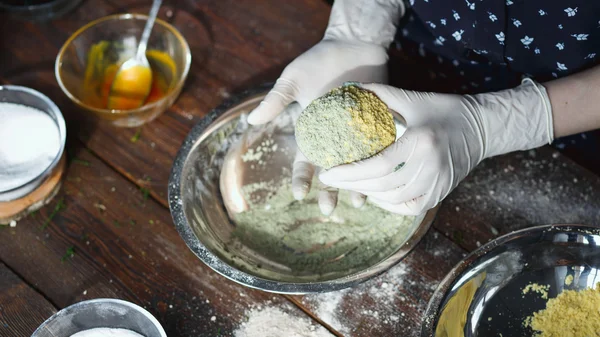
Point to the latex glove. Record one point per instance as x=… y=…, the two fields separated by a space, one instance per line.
x=446 y=137
x=354 y=48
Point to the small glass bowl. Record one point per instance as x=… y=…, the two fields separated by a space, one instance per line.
x=113 y=39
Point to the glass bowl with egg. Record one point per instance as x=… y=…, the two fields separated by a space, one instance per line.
x=88 y=61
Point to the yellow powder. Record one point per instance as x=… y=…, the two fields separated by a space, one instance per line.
x=569 y=280
x=343 y=126
x=537 y=288
x=371 y=121
x=571 y=314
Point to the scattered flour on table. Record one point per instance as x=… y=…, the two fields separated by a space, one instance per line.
x=376 y=301
x=107 y=332
x=274 y=322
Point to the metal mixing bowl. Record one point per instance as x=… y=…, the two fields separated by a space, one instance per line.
x=486 y=288
x=205 y=194
x=100 y=313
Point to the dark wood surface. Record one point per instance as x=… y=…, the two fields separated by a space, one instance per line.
x=22 y=309
x=125 y=245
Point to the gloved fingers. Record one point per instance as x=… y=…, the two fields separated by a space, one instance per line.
x=412 y=207
x=302 y=176
x=399 y=195
x=392 y=159
x=396 y=179
x=399 y=100
x=328 y=198
x=357 y=199
x=283 y=93
x=423 y=184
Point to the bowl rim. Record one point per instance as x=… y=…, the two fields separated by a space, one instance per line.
x=134 y=306
x=223 y=268
x=431 y=314
x=14 y=193
x=125 y=16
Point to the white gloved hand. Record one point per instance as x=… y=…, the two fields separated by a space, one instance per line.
x=446 y=137
x=354 y=48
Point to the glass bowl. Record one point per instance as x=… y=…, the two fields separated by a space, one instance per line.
x=96 y=50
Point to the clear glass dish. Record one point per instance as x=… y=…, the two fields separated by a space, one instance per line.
x=83 y=61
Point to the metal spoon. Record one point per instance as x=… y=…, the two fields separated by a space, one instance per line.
x=133 y=81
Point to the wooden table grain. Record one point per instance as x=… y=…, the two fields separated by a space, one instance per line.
x=115 y=218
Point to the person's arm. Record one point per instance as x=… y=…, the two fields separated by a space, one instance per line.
x=575 y=102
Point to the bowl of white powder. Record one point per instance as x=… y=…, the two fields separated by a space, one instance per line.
x=231 y=200
x=32 y=142
x=103 y=317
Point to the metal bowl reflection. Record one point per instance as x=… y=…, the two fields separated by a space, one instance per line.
x=100 y=313
x=484 y=293
x=205 y=194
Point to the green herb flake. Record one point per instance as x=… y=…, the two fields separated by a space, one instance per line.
x=84 y=237
x=116 y=223
x=151 y=222
x=132 y=222
x=458 y=237
x=145 y=192
x=60 y=205
x=69 y=254
x=136 y=136
x=399 y=166
x=81 y=162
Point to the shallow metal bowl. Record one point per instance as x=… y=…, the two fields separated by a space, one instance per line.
x=205 y=193
x=487 y=287
x=100 y=313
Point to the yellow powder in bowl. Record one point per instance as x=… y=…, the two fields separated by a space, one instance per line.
x=571 y=314
x=343 y=126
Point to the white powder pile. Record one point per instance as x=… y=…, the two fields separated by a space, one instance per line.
x=274 y=322
x=107 y=332
x=377 y=301
x=29 y=142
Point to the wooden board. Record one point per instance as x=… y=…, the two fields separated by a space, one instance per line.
x=235 y=45
x=22 y=309
x=125 y=246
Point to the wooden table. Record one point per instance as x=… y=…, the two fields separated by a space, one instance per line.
x=116 y=221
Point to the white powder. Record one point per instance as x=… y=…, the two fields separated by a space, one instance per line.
x=274 y=322
x=107 y=332
x=382 y=295
x=29 y=142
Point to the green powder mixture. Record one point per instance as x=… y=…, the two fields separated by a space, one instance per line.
x=296 y=234
x=345 y=125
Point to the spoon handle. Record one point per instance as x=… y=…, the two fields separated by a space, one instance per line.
x=141 y=52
